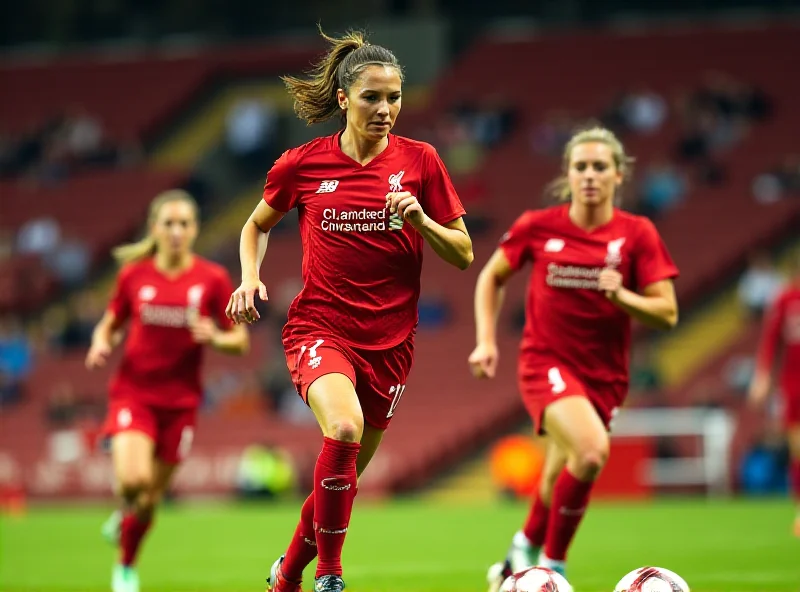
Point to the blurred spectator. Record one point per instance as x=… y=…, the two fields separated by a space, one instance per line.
x=70 y=262
x=84 y=310
x=641 y=111
x=760 y=284
x=250 y=132
x=781 y=182
x=549 y=137
x=38 y=236
x=265 y=471
x=16 y=358
x=662 y=188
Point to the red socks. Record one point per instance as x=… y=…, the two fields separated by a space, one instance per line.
x=535 y=528
x=570 y=498
x=303 y=547
x=132 y=532
x=335 y=484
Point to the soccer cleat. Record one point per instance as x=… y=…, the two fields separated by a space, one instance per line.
x=329 y=584
x=560 y=567
x=497 y=574
x=521 y=554
x=124 y=579
x=111 y=527
x=276 y=582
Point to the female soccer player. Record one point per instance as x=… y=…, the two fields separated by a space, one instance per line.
x=367 y=200
x=173 y=302
x=782 y=328
x=593 y=268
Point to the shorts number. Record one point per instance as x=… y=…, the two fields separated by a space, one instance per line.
x=397 y=391
x=556 y=381
x=185 y=445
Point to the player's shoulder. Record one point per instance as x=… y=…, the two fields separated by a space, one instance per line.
x=209 y=268
x=635 y=221
x=412 y=146
x=546 y=217
x=135 y=269
x=295 y=156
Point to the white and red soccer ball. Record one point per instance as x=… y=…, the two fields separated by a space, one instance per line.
x=652 y=579
x=536 y=579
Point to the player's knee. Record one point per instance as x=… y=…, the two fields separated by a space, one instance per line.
x=346 y=430
x=132 y=486
x=590 y=461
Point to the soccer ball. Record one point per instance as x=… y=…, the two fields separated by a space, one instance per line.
x=536 y=579
x=652 y=579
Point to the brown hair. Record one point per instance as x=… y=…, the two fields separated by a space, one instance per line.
x=315 y=97
x=559 y=188
x=146 y=247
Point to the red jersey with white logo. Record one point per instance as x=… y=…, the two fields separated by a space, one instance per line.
x=567 y=318
x=782 y=332
x=361 y=265
x=161 y=362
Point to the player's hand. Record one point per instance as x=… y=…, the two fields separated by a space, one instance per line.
x=407 y=207
x=483 y=360
x=610 y=282
x=203 y=329
x=98 y=354
x=242 y=304
x=759 y=391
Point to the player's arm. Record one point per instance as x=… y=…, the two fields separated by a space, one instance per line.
x=655 y=307
x=234 y=340
x=107 y=334
x=451 y=241
x=252 y=249
x=489 y=296
x=765 y=358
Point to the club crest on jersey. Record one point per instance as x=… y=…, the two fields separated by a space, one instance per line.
x=394 y=181
x=194 y=295
x=147 y=293
x=614 y=255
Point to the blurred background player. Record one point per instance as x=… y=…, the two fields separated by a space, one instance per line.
x=594 y=268
x=781 y=333
x=367 y=201
x=173 y=303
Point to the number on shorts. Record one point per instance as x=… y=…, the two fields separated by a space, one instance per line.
x=397 y=391
x=185 y=445
x=556 y=380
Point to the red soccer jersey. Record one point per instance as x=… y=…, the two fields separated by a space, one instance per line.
x=567 y=318
x=361 y=266
x=161 y=362
x=782 y=327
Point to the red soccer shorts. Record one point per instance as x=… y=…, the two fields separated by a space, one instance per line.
x=379 y=376
x=791 y=408
x=544 y=383
x=172 y=430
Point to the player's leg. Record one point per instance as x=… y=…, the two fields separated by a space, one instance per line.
x=793 y=436
x=575 y=426
x=529 y=541
x=335 y=404
x=303 y=548
x=132 y=454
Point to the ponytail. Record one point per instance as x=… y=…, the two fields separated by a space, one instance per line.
x=315 y=99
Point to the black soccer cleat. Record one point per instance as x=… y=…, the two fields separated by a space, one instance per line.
x=329 y=584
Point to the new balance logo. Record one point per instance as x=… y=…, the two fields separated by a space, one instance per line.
x=554 y=245
x=334 y=484
x=394 y=181
x=328 y=186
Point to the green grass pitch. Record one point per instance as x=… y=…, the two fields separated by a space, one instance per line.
x=408 y=546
